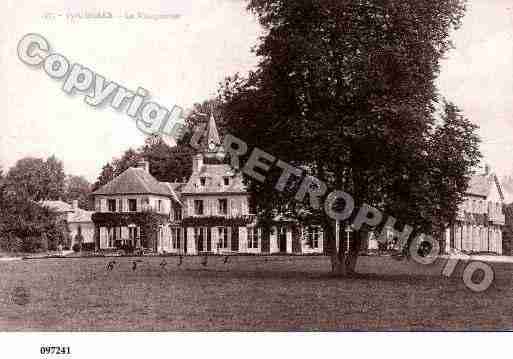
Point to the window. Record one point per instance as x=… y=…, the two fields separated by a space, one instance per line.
x=112 y=205
x=203 y=181
x=132 y=205
x=313 y=237
x=223 y=206
x=145 y=204
x=198 y=207
x=132 y=234
x=200 y=239
x=113 y=235
x=253 y=237
x=175 y=237
x=223 y=237
x=178 y=214
x=159 y=205
x=226 y=181
x=120 y=208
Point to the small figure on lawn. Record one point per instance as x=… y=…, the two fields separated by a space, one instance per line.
x=163 y=264
x=110 y=265
x=134 y=264
x=204 y=262
x=225 y=260
x=181 y=260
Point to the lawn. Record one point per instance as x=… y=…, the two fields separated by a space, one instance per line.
x=247 y=293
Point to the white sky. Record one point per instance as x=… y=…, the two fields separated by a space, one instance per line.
x=180 y=61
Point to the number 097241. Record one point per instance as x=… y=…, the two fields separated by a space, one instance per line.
x=44 y=350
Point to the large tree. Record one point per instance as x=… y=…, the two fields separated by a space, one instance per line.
x=37 y=179
x=77 y=188
x=167 y=164
x=26 y=226
x=346 y=91
x=106 y=175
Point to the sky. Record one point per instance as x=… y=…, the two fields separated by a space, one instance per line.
x=181 y=60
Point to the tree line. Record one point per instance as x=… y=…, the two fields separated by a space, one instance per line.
x=25 y=225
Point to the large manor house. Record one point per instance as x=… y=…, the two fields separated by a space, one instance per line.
x=210 y=213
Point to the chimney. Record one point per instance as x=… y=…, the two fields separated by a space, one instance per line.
x=74 y=204
x=197 y=163
x=145 y=165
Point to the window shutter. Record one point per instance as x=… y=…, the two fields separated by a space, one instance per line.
x=209 y=239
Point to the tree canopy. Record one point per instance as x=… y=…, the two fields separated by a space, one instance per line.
x=37 y=179
x=77 y=188
x=346 y=91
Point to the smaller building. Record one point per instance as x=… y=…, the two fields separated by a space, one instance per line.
x=79 y=220
x=75 y=218
x=62 y=208
x=480 y=219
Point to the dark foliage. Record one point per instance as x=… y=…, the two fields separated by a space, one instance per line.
x=346 y=91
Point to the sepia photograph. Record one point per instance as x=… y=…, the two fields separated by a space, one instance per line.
x=256 y=168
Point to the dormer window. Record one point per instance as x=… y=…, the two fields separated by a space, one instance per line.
x=226 y=181
x=132 y=205
x=198 y=207
x=178 y=214
x=203 y=181
x=112 y=205
x=223 y=206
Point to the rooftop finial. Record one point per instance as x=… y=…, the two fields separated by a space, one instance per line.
x=212 y=136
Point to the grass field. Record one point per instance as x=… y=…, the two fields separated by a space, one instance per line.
x=247 y=293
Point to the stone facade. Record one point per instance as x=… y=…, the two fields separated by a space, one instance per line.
x=480 y=220
x=207 y=214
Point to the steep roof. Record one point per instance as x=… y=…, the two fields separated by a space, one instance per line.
x=507 y=189
x=212 y=134
x=136 y=181
x=174 y=189
x=57 y=206
x=214 y=175
x=210 y=143
x=481 y=185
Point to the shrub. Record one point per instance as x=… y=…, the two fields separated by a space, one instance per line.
x=44 y=242
x=12 y=243
x=88 y=247
x=76 y=247
x=31 y=244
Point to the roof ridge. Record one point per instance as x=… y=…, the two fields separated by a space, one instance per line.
x=134 y=180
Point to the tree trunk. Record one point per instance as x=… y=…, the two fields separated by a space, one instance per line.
x=354 y=250
x=342 y=264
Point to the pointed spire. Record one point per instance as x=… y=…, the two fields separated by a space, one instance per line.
x=212 y=134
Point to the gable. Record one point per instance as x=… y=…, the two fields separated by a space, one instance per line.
x=495 y=194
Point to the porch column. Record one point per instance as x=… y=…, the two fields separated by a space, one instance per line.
x=96 y=237
x=214 y=237
x=243 y=239
x=288 y=236
x=191 y=243
x=273 y=239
